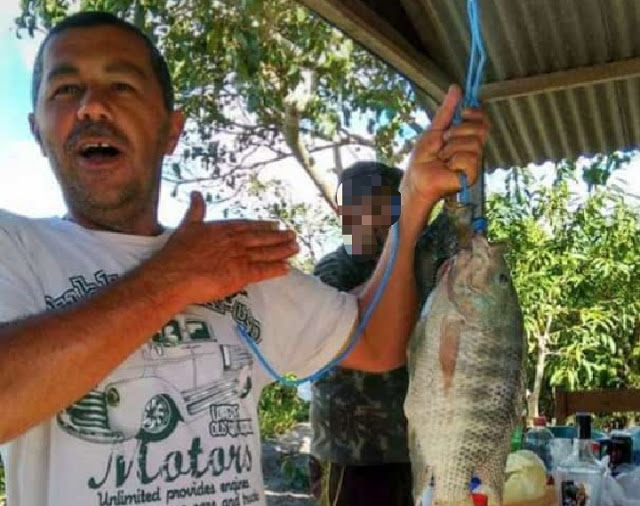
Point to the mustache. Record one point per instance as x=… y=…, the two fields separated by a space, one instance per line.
x=88 y=128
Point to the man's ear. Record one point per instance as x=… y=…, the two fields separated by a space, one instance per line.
x=35 y=131
x=176 y=124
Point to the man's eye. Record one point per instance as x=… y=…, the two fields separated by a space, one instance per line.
x=122 y=87
x=66 y=89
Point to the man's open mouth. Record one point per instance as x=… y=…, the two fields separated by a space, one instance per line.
x=99 y=151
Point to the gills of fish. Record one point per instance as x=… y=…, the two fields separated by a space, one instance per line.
x=466 y=377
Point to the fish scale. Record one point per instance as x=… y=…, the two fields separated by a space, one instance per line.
x=466 y=377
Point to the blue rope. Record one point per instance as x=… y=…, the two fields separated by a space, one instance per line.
x=479 y=224
x=478 y=57
x=477 y=60
x=465 y=198
x=475 y=70
x=353 y=340
x=469 y=99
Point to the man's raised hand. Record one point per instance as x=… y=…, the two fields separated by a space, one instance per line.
x=208 y=261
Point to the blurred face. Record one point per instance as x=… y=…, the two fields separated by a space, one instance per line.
x=368 y=207
x=102 y=122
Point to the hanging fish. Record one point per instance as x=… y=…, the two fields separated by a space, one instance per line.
x=466 y=377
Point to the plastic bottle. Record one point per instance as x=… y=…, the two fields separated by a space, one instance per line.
x=516 y=438
x=538 y=440
x=580 y=477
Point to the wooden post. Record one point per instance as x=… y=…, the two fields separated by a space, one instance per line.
x=560 y=406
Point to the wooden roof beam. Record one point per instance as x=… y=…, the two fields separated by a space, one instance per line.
x=559 y=81
x=374 y=33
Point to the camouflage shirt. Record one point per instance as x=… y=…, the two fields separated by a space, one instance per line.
x=357 y=418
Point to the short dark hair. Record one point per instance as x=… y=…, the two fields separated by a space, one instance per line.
x=391 y=176
x=89 y=19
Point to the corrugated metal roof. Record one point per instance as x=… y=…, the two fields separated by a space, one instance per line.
x=562 y=77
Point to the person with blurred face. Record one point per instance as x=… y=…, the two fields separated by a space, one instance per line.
x=124 y=376
x=359 y=452
x=368 y=198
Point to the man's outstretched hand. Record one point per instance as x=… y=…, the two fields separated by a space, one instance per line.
x=212 y=260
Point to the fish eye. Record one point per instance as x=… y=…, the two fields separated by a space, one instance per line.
x=503 y=278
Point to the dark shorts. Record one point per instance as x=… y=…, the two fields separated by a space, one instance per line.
x=379 y=485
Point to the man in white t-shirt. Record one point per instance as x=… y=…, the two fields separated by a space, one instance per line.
x=123 y=379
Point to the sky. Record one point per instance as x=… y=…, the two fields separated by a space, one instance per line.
x=26 y=183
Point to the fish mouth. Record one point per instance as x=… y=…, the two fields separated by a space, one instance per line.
x=480 y=246
x=463 y=275
x=462 y=267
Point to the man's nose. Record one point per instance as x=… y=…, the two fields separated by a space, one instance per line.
x=94 y=105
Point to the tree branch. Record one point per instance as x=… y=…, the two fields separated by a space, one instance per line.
x=301 y=153
x=357 y=139
x=337 y=159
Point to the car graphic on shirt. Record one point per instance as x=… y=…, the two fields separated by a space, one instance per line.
x=176 y=377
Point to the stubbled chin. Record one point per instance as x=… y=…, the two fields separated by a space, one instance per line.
x=101 y=193
x=105 y=172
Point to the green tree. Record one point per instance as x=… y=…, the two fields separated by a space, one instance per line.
x=315 y=226
x=280 y=409
x=576 y=266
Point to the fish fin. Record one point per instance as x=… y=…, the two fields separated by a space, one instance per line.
x=492 y=473
x=421 y=481
x=449 y=347
x=420 y=470
x=414 y=342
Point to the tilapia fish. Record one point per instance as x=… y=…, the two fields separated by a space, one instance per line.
x=466 y=376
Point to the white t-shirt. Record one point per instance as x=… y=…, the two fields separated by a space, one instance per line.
x=176 y=422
